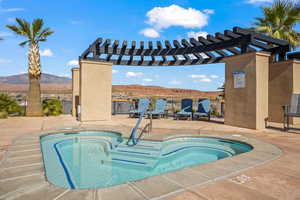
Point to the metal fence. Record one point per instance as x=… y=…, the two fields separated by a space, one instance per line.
x=122 y=107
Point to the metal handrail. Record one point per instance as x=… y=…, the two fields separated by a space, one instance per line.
x=147 y=127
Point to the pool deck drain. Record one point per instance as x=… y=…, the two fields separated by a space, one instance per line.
x=22 y=174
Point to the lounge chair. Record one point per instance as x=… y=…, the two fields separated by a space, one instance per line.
x=142 y=108
x=159 y=109
x=186 y=109
x=203 y=109
x=292 y=110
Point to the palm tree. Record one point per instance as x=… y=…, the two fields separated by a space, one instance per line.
x=279 y=21
x=222 y=88
x=34 y=33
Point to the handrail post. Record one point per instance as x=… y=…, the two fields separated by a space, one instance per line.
x=150 y=126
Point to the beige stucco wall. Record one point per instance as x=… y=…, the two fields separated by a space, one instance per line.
x=95 y=90
x=247 y=107
x=75 y=89
x=284 y=80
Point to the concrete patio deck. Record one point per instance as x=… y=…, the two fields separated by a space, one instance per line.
x=278 y=179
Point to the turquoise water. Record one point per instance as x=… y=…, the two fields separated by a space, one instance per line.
x=100 y=159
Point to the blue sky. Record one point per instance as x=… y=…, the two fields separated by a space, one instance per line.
x=78 y=23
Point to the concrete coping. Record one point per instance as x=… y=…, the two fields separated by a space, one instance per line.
x=293 y=61
x=96 y=62
x=22 y=171
x=75 y=69
x=259 y=53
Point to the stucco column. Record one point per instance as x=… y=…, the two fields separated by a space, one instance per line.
x=75 y=90
x=284 y=80
x=95 y=90
x=247 y=95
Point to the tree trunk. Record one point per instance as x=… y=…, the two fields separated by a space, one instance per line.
x=34 y=104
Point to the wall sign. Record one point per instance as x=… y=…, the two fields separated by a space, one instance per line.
x=239 y=79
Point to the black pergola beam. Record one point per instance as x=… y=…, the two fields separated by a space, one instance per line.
x=186 y=52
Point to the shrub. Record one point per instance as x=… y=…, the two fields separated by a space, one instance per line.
x=10 y=105
x=3 y=114
x=152 y=103
x=52 y=107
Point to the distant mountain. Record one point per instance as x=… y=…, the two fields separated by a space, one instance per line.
x=52 y=84
x=45 y=79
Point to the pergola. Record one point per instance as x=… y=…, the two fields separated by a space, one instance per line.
x=256 y=86
x=212 y=49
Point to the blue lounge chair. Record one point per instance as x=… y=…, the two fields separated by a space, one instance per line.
x=142 y=108
x=292 y=110
x=186 y=109
x=159 y=108
x=203 y=109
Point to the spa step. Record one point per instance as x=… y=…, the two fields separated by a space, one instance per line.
x=140 y=153
x=149 y=146
x=136 y=161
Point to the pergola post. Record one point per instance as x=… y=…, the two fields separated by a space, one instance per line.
x=246 y=88
x=75 y=91
x=283 y=82
x=95 y=90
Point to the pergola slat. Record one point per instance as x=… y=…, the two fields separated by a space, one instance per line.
x=187 y=52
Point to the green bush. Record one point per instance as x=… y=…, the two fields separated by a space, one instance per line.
x=52 y=107
x=10 y=106
x=3 y=114
x=152 y=103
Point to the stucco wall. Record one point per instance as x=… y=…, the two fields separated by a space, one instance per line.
x=75 y=89
x=247 y=107
x=284 y=80
x=95 y=90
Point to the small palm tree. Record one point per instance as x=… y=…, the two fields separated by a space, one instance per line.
x=279 y=21
x=222 y=88
x=34 y=33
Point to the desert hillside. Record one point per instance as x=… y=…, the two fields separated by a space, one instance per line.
x=51 y=84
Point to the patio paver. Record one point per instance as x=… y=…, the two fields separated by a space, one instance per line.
x=263 y=173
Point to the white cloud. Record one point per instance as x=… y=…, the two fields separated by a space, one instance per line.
x=46 y=52
x=134 y=74
x=174 y=15
x=73 y=63
x=203 y=78
x=4 y=60
x=214 y=76
x=207 y=80
x=150 y=32
x=5 y=34
x=175 y=82
x=197 y=76
x=147 y=79
x=195 y=35
x=266 y=1
x=11 y=9
x=209 y=11
x=259 y=1
x=11 y=19
x=114 y=71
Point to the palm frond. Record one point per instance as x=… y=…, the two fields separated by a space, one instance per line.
x=25 y=27
x=279 y=21
x=16 y=30
x=37 y=25
x=33 y=32
x=45 y=33
x=24 y=43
